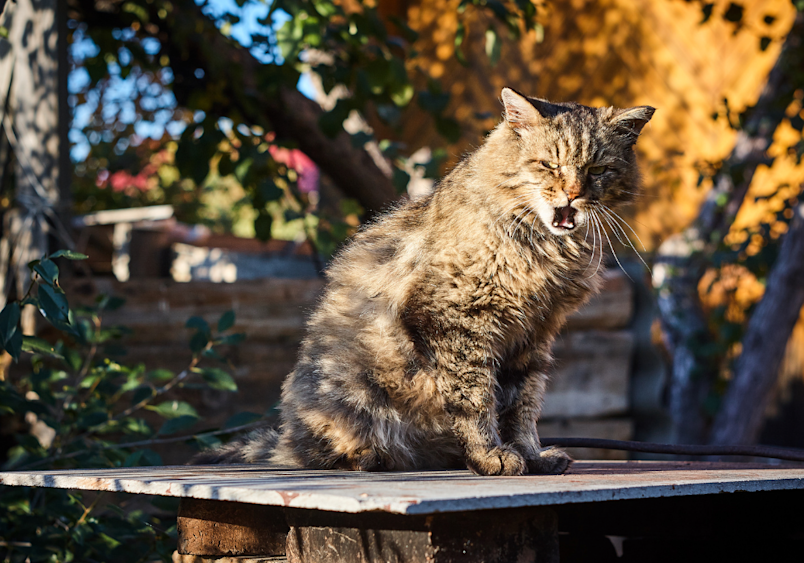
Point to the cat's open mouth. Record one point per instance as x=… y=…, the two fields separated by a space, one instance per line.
x=564 y=218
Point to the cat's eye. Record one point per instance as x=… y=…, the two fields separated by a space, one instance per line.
x=596 y=170
x=550 y=165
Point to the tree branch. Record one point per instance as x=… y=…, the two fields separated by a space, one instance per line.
x=263 y=94
x=682 y=259
x=740 y=418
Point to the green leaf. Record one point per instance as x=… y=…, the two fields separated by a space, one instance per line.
x=69 y=255
x=92 y=419
x=269 y=191
x=242 y=169
x=734 y=13
x=173 y=409
x=218 y=379
x=460 y=35
x=14 y=345
x=150 y=457
x=706 y=11
x=198 y=324
x=331 y=122
x=241 y=419
x=378 y=74
x=207 y=442
x=232 y=339
x=137 y=10
x=36 y=345
x=407 y=32
x=174 y=425
x=433 y=102
x=141 y=393
x=402 y=95
x=226 y=321
x=400 y=178
x=9 y=321
x=72 y=358
x=492 y=46
x=449 y=128
x=48 y=271
x=109 y=302
x=213 y=354
x=160 y=374
x=198 y=342
x=133 y=459
x=262 y=226
x=53 y=304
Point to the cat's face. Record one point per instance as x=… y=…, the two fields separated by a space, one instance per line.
x=575 y=163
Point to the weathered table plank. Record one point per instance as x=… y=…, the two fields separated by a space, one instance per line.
x=422 y=493
x=250 y=513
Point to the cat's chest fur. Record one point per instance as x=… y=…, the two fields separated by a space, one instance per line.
x=508 y=290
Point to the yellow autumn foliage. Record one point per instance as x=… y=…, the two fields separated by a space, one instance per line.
x=625 y=53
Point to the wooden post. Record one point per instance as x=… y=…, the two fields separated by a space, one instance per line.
x=213 y=529
x=492 y=536
x=218 y=529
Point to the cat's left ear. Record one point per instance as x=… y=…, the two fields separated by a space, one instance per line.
x=630 y=121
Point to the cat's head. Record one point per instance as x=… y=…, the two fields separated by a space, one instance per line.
x=572 y=161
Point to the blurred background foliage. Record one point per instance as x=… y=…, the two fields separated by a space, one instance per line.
x=207 y=106
x=158 y=120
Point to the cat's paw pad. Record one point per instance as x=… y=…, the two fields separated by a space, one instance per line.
x=502 y=460
x=550 y=461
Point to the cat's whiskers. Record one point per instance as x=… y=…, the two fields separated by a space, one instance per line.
x=611 y=246
x=616 y=228
x=532 y=223
x=586 y=234
x=510 y=210
x=626 y=224
x=516 y=202
x=594 y=238
x=515 y=224
x=631 y=244
x=600 y=236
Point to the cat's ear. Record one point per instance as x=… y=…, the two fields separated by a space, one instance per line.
x=519 y=111
x=630 y=121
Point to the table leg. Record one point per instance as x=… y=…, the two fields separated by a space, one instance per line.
x=493 y=536
x=214 y=528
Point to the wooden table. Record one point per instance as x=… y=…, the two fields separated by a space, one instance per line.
x=450 y=516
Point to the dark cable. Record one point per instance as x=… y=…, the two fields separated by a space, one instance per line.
x=676 y=449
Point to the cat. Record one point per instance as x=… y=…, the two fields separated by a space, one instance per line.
x=430 y=347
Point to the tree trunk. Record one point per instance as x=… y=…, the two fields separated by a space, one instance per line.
x=739 y=420
x=683 y=259
x=29 y=119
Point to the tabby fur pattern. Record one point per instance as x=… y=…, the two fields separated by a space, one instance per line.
x=430 y=347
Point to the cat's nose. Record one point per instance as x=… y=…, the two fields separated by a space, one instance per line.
x=573 y=190
x=573 y=183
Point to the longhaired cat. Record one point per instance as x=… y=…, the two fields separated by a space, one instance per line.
x=430 y=347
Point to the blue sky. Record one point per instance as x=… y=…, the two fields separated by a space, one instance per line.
x=117 y=98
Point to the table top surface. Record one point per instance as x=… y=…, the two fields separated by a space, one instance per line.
x=425 y=492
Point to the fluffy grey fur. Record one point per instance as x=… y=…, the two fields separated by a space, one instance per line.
x=430 y=347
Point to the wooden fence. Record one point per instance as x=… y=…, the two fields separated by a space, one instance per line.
x=588 y=395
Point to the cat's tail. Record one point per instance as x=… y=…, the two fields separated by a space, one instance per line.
x=255 y=447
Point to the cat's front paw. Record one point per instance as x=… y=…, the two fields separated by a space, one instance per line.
x=502 y=460
x=549 y=461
